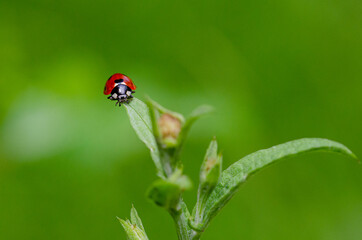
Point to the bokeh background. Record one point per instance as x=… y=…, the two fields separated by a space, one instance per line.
x=274 y=71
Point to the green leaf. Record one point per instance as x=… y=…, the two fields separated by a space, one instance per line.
x=196 y=114
x=211 y=166
x=238 y=172
x=166 y=193
x=135 y=219
x=200 y=111
x=139 y=116
x=209 y=176
x=182 y=181
x=132 y=230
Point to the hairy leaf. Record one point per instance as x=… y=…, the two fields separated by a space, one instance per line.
x=139 y=116
x=238 y=172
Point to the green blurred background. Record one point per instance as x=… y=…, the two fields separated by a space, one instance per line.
x=274 y=70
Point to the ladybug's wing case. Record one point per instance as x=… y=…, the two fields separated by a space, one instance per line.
x=110 y=84
x=109 y=87
x=116 y=78
x=129 y=82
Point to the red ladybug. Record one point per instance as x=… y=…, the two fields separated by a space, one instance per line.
x=120 y=88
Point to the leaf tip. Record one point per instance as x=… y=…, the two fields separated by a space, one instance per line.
x=355 y=157
x=122 y=221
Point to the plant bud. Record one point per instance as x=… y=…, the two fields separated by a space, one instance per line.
x=210 y=174
x=211 y=171
x=170 y=128
x=166 y=192
x=134 y=228
x=211 y=167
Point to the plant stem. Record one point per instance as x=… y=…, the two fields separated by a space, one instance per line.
x=181 y=217
x=181 y=228
x=201 y=200
x=195 y=235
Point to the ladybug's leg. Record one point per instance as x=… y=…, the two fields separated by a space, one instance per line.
x=122 y=93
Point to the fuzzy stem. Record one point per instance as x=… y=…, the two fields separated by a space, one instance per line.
x=181 y=217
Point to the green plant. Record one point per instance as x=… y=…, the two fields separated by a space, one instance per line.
x=164 y=133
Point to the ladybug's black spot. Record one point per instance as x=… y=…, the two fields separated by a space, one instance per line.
x=118 y=80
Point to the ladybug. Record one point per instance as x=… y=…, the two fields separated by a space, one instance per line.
x=120 y=88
